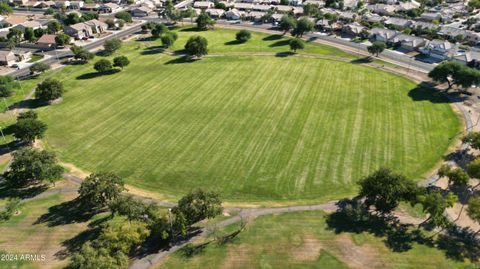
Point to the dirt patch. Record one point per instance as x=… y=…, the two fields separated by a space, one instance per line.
x=357 y=257
x=309 y=251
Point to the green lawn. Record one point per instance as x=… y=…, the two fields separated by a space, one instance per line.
x=303 y=240
x=25 y=234
x=255 y=129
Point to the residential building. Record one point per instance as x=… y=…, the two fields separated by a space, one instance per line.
x=7 y=57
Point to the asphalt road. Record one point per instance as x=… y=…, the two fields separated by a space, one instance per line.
x=59 y=55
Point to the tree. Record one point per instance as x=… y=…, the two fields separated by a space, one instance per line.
x=31 y=166
x=89 y=257
x=376 y=48
x=7 y=84
x=311 y=10
x=473 y=209
x=15 y=35
x=11 y=208
x=304 y=25
x=473 y=168
x=49 y=90
x=243 y=36
x=122 y=238
x=28 y=34
x=39 y=68
x=54 y=27
x=30 y=114
x=295 y=44
x=473 y=138
x=27 y=130
x=385 y=189
x=204 y=22
x=120 y=61
x=133 y=209
x=5 y=9
x=287 y=23
x=112 y=45
x=103 y=65
x=39 y=32
x=457 y=177
x=98 y=190
x=81 y=54
x=435 y=205
x=123 y=15
x=189 y=13
x=199 y=205
x=168 y=39
x=158 y=29
x=111 y=24
x=444 y=71
x=62 y=40
x=466 y=77
x=196 y=46
x=72 y=18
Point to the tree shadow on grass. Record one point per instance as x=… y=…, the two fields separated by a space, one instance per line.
x=153 y=50
x=233 y=42
x=180 y=60
x=363 y=60
x=65 y=213
x=280 y=43
x=460 y=244
x=398 y=237
x=75 y=243
x=97 y=74
x=424 y=93
x=8 y=191
x=191 y=29
x=272 y=37
x=28 y=104
x=284 y=54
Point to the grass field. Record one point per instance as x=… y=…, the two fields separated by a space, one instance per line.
x=23 y=234
x=303 y=240
x=255 y=129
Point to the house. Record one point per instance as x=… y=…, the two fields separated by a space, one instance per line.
x=451 y=32
x=405 y=6
x=382 y=9
x=243 y=6
x=108 y=8
x=7 y=57
x=47 y=41
x=44 y=4
x=22 y=55
x=141 y=11
x=398 y=22
x=384 y=35
x=29 y=24
x=263 y=8
x=76 y=5
x=20 y=2
x=438 y=49
x=353 y=29
x=62 y=4
x=297 y=10
x=78 y=30
x=373 y=18
x=283 y=8
x=347 y=16
x=318 y=3
x=425 y=25
x=430 y=16
x=409 y=42
x=203 y=4
x=255 y=15
x=350 y=4
x=277 y=17
x=215 y=12
x=90 y=6
x=97 y=26
x=233 y=14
